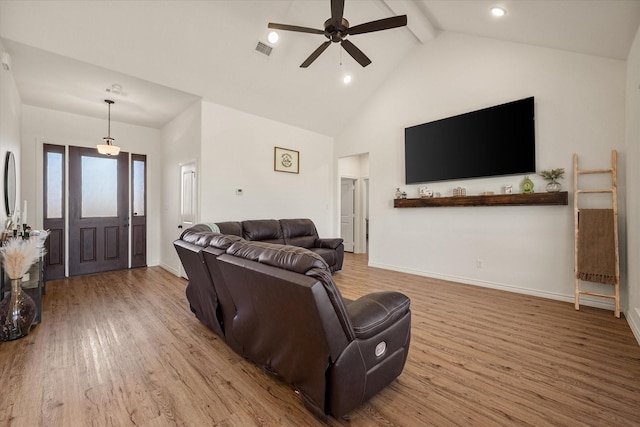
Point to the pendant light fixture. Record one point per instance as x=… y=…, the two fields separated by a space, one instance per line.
x=108 y=148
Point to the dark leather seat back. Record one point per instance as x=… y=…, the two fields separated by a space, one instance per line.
x=226 y=310
x=264 y=230
x=299 y=232
x=230 y=227
x=203 y=299
x=285 y=320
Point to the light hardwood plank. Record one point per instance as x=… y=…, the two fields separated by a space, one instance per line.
x=122 y=348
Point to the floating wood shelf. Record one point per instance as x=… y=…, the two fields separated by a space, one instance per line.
x=560 y=198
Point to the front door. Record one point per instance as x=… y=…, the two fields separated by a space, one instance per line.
x=98 y=211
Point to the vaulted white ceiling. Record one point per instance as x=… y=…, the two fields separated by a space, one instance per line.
x=168 y=54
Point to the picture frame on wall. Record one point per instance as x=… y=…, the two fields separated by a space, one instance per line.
x=286 y=160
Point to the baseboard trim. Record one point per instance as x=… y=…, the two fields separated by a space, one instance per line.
x=633 y=318
x=584 y=300
x=170 y=270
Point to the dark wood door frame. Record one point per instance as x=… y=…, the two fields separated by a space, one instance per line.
x=139 y=219
x=55 y=257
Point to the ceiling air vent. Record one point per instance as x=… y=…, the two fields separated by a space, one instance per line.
x=264 y=49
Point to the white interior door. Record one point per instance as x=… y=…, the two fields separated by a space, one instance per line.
x=188 y=199
x=347 y=212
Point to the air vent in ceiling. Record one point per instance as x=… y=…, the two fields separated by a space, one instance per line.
x=264 y=49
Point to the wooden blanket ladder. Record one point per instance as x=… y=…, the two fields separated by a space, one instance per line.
x=577 y=192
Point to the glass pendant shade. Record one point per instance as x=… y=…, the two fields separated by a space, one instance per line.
x=108 y=148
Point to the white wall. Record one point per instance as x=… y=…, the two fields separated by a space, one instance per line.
x=633 y=185
x=180 y=144
x=10 y=116
x=580 y=104
x=43 y=126
x=238 y=152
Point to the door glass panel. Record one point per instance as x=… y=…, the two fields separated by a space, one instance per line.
x=138 y=188
x=99 y=187
x=54 y=185
x=188 y=214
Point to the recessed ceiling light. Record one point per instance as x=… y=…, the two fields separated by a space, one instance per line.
x=273 y=37
x=346 y=79
x=498 y=11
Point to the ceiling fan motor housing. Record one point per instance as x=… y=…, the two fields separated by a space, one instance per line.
x=335 y=33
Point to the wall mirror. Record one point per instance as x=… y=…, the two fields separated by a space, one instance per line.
x=10 y=184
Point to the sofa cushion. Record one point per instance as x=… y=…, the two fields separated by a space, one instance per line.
x=223 y=241
x=329 y=255
x=302 y=241
x=375 y=312
x=290 y=258
x=230 y=227
x=200 y=238
x=263 y=230
x=298 y=227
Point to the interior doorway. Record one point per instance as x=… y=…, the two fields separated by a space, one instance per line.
x=188 y=200
x=353 y=172
x=347 y=213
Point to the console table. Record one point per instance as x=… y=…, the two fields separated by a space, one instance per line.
x=559 y=198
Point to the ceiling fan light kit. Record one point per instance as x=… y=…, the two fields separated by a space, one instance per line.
x=108 y=148
x=273 y=37
x=498 y=11
x=337 y=28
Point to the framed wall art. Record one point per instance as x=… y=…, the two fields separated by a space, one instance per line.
x=285 y=160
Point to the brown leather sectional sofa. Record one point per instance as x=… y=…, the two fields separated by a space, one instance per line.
x=278 y=306
x=296 y=232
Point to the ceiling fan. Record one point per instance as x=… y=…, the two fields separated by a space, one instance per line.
x=337 y=28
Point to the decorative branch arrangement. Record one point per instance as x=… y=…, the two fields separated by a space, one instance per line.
x=553 y=174
x=19 y=254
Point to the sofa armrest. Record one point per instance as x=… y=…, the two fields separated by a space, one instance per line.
x=375 y=312
x=331 y=243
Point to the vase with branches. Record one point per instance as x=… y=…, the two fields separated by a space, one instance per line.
x=18 y=311
x=552 y=176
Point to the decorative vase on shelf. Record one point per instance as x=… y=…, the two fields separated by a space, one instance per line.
x=17 y=313
x=553 y=176
x=553 y=186
x=398 y=193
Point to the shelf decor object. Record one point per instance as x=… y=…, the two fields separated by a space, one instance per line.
x=527 y=185
x=18 y=311
x=552 y=176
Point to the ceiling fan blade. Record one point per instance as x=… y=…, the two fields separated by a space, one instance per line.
x=379 y=25
x=337 y=10
x=296 y=28
x=315 y=54
x=356 y=53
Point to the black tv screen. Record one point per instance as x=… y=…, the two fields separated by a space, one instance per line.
x=498 y=140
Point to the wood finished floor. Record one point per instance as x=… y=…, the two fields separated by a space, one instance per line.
x=123 y=349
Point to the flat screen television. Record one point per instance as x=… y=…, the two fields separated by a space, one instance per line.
x=498 y=140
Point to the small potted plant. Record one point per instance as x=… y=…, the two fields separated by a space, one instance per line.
x=553 y=176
